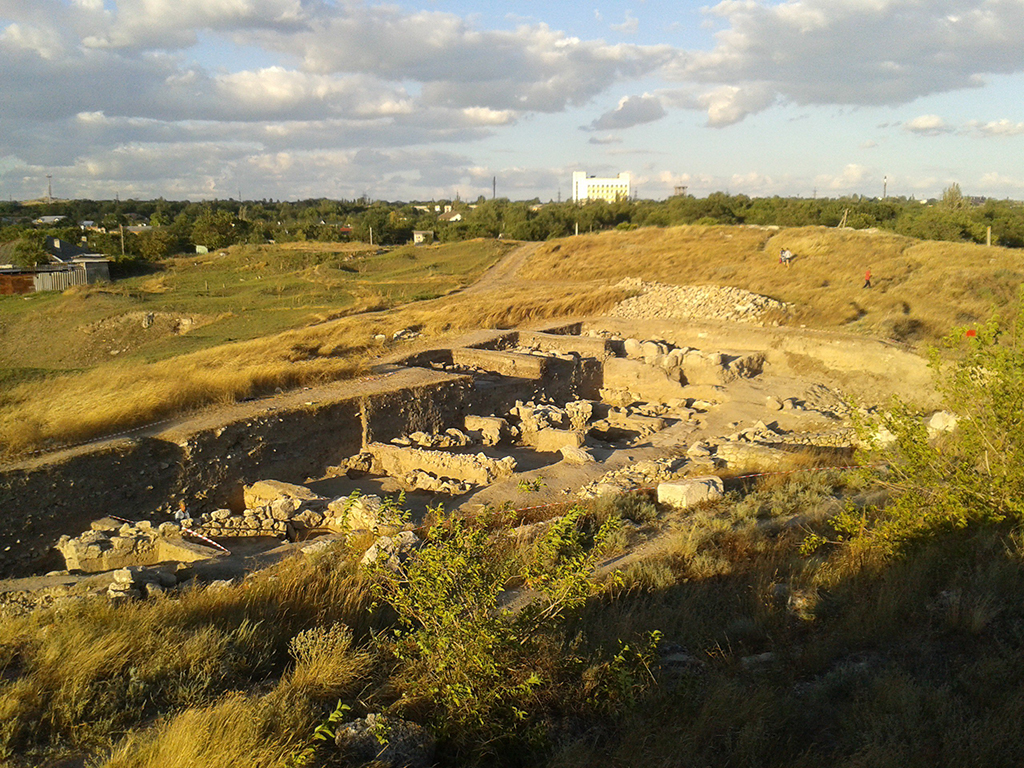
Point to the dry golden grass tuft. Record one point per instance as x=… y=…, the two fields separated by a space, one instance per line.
x=87 y=671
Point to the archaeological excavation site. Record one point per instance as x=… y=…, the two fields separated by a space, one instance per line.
x=614 y=521
x=640 y=401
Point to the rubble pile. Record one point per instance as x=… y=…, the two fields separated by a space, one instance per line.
x=642 y=474
x=657 y=301
x=111 y=544
x=135 y=582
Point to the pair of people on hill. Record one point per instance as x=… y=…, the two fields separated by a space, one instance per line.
x=785 y=256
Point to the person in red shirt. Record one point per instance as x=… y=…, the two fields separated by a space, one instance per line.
x=867 y=278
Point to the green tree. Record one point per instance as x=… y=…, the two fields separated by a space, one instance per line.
x=29 y=250
x=218 y=229
x=953 y=198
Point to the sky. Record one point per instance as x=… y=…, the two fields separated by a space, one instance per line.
x=429 y=99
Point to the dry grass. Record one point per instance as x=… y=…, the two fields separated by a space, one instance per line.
x=117 y=396
x=921 y=288
x=87 y=671
x=243 y=730
x=911 y=662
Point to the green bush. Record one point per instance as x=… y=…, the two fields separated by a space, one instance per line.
x=974 y=474
x=481 y=644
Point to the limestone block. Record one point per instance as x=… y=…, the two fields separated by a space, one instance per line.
x=283 y=509
x=264 y=492
x=533 y=417
x=490 y=429
x=645 y=382
x=479 y=469
x=633 y=349
x=553 y=440
x=391 y=551
x=685 y=493
x=575 y=455
x=651 y=350
x=750 y=455
x=580 y=412
x=354 y=513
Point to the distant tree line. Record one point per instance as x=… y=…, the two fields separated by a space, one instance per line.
x=179 y=226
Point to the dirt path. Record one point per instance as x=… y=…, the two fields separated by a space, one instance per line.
x=503 y=274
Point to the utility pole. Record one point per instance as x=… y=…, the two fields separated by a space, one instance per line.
x=122 y=240
x=494 y=187
x=885 y=186
x=371 y=236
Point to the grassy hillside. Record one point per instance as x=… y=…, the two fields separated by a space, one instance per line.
x=765 y=654
x=921 y=288
x=244 y=292
x=205 y=329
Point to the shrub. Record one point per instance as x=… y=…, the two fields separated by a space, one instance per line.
x=482 y=669
x=974 y=474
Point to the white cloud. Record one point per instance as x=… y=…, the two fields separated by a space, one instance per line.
x=927 y=125
x=858 y=52
x=629 y=26
x=1002 y=127
x=171 y=24
x=605 y=140
x=46 y=43
x=729 y=104
x=852 y=178
x=631 y=110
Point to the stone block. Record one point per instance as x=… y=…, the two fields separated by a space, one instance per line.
x=553 y=440
x=349 y=513
x=685 y=493
x=575 y=455
x=741 y=454
x=264 y=492
x=479 y=469
x=488 y=429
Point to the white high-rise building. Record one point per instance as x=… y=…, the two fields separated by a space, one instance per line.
x=586 y=188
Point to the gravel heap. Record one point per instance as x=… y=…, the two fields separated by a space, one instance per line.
x=706 y=302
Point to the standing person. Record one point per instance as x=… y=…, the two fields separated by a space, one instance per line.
x=867 y=278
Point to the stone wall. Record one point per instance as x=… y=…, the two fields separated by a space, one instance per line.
x=204 y=462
